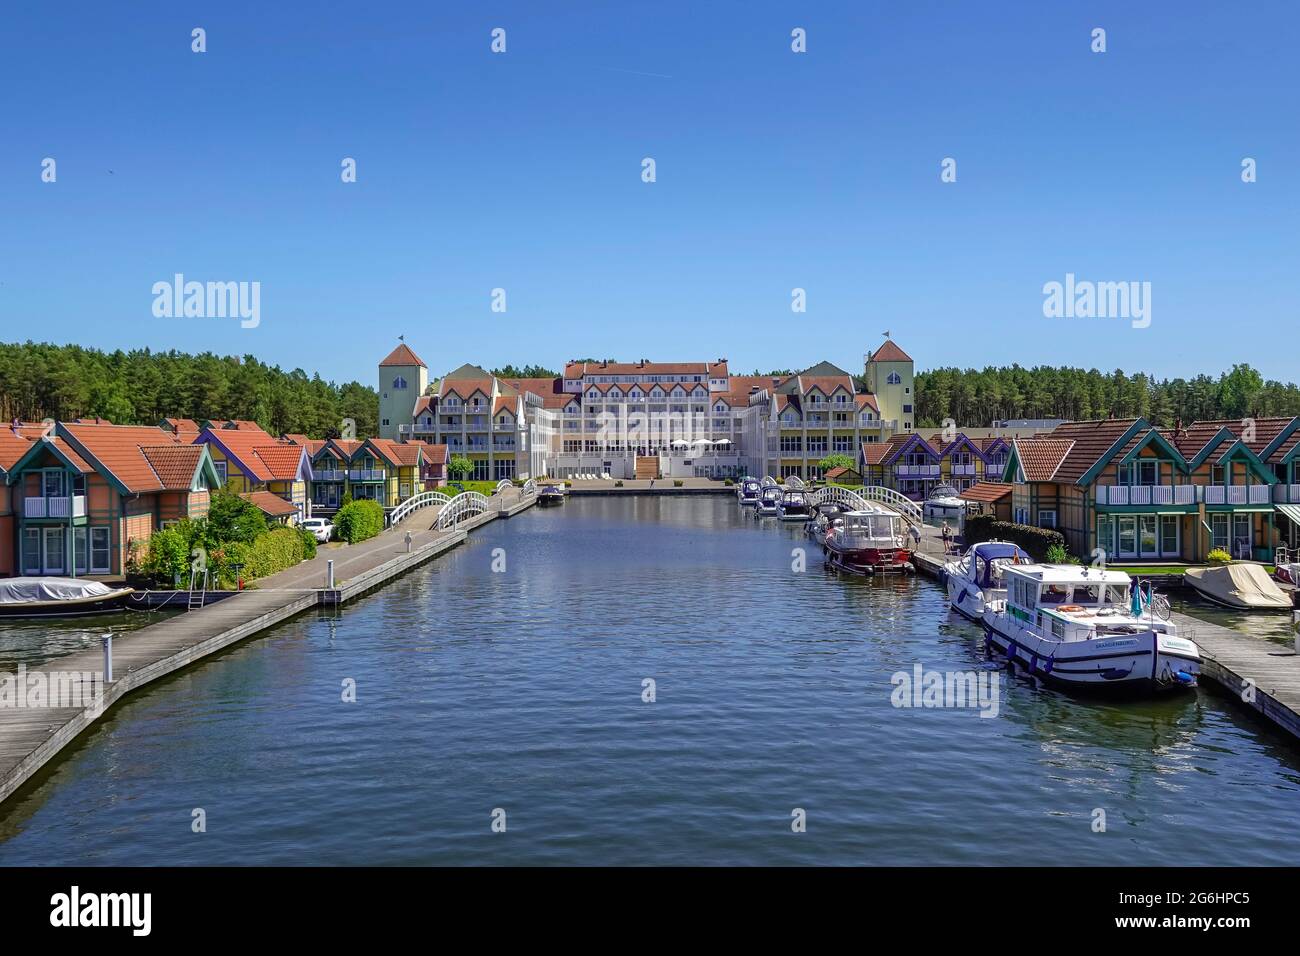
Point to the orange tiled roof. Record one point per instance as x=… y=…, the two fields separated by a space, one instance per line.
x=890 y=352
x=986 y=491
x=402 y=355
x=118 y=449
x=280 y=461
x=271 y=503
x=1041 y=458
x=174 y=465
x=12 y=447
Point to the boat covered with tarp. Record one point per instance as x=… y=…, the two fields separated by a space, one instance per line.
x=55 y=597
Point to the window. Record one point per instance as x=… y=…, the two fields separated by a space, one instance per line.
x=907 y=409
x=894 y=379
x=1046 y=518
x=220 y=467
x=399 y=382
x=1148 y=472
x=1219 y=531
x=1169 y=535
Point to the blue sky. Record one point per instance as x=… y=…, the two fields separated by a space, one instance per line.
x=775 y=170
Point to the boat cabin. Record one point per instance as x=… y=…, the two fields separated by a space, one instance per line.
x=1072 y=602
x=861 y=529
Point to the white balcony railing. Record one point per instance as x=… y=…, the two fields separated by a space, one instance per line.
x=55 y=507
x=328 y=474
x=917 y=471
x=1236 y=495
x=367 y=474
x=1286 y=494
x=959 y=468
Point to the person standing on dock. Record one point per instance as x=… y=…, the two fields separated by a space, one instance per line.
x=947 y=537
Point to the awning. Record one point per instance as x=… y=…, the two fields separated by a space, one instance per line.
x=1291 y=511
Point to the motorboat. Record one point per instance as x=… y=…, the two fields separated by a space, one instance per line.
x=1287 y=563
x=1088 y=629
x=976 y=577
x=58 y=597
x=794 y=505
x=1244 y=587
x=868 y=542
x=769 y=502
x=827 y=514
x=942 y=504
x=747 y=491
x=550 y=495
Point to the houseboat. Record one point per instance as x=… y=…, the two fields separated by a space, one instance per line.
x=1087 y=629
x=794 y=506
x=868 y=542
x=976 y=578
x=768 y=502
x=58 y=597
x=747 y=491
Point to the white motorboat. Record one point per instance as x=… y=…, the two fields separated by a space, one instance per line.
x=794 y=505
x=747 y=491
x=1088 y=629
x=943 y=505
x=827 y=515
x=58 y=597
x=1244 y=587
x=768 y=502
x=976 y=577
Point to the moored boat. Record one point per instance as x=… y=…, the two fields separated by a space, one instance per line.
x=794 y=505
x=943 y=505
x=868 y=542
x=550 y=495
x=58 y=597
x=747 y=491
x=1088 y=629
x=825 y=517
x=768 y=502
x=976 y=578
x=1243 y=587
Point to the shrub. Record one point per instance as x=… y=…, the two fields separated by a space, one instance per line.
x=231 y=518
x=1035 y=541
x=358 y=521
x=308 y=544
x=223 y=561
x=1219 y=556
x=1056 y=554
x=167 y=560
x=728 y=482
x=274 y=551
x=619 y=483
x=677 y=482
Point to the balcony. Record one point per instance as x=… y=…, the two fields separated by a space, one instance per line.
x=367 y=474
x=1146 y=495
x=916 y=471
x=55 y=507
x=1286 y=494
x=1238 y=495
x=958 y=468
x=328 y=474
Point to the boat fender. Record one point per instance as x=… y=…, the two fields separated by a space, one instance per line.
x=1011 y=651
x=1047 y=667
x=961 y=597
x=1184 y=678
x=1033 y=662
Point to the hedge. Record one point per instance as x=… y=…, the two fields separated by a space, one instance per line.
x=274 y=551
x=358 y=521
x=1035 y=541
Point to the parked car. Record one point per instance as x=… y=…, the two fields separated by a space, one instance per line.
x=320 y=528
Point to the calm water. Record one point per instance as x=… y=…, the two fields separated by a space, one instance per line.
x=522 y=690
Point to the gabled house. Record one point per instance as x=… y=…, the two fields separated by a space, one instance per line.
x=962 y=462
x=402 y=466
x=247 y=459
x=907 y=463
x=89 y=495
x=13 y=445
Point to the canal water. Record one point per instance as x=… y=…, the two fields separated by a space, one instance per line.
x=519 y=694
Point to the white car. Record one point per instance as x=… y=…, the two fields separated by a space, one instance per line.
x=320 y=528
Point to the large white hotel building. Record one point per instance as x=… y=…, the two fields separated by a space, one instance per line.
x=647 y=419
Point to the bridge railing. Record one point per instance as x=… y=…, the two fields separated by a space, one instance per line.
x=841 y=496
x=502 y=485
x=529 y=488
x=896 y=500
x=462 y=506
x=795 y=483
x=421 y=500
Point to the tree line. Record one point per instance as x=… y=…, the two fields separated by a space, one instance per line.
x=978 y=397
x=141 y=387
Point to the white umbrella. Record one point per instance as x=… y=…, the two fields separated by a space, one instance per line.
x=702 y=441
x=679 y=443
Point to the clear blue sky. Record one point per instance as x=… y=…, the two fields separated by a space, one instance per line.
x=775 y=170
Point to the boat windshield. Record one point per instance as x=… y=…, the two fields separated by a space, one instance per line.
x=871 y=526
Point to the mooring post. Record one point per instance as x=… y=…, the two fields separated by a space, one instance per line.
x=408 y=542
x=329 y=574
x=108 y=658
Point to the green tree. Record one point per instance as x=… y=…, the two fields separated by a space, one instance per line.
x=836 y=460
x=460 y=467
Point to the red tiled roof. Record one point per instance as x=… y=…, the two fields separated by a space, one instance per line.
x=1041 y=458
x=396 y=453
x=840 y=471
x=282 y=462
x=435 y=454
x=874 y=452
x=986 y=491
x=271 y=503
x=119 y=450
x=174 y=465
x=402 y=355
x=890 y=352
x=12 y=447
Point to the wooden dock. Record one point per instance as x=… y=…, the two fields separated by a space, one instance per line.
x=1255 y=673
x=31 y=736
